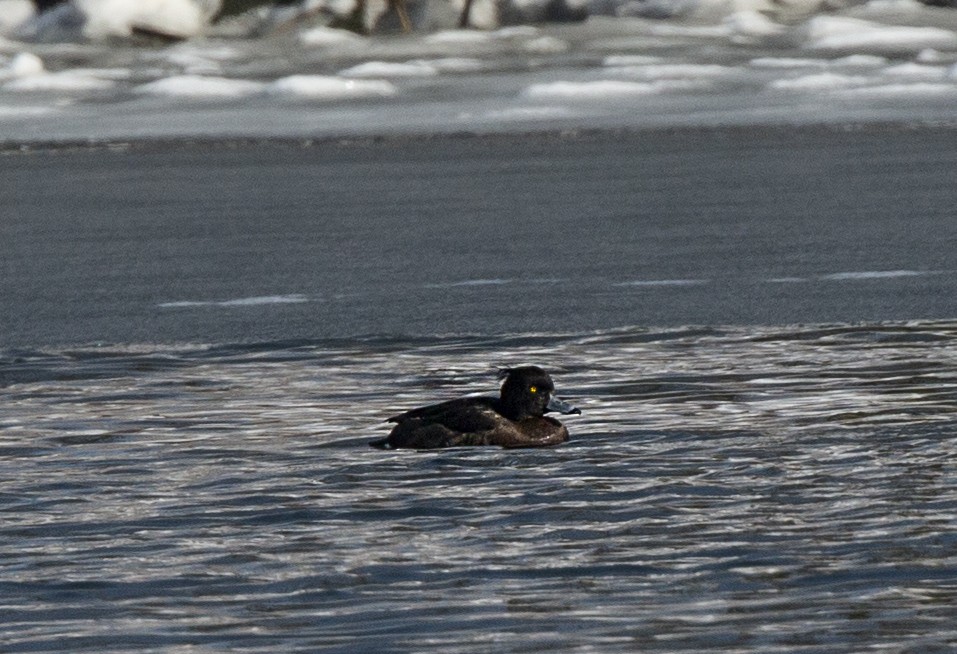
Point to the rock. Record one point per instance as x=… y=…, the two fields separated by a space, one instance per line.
x=98 y=20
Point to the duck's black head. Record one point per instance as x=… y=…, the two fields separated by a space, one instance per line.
x=527 y=391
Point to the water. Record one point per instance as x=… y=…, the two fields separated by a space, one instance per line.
x=258 y=242
x=751 y=489
x=198 y=340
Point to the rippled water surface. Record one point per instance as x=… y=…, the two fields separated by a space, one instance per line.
x=739 y=489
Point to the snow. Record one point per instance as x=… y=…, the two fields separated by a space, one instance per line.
x=752 y=24
x=323 y=87
x=674 y=71
x=14 y=13
x=24 y=64
x=724 y=65
x=843 y=34
x=390 y=69
x=819 y=82
x=787 y=62
x=592 y=90
x=916 y=71
x=906 y=90
x=64 y=81
x=199 y=86
x=328 y=37
x=459 y=37
x=454 y=64
x=546 y=45
x=630 y=60
x=119 y=17
x=26 y=73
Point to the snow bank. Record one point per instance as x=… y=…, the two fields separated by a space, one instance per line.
x=26 y=73
x=375 y=69
x=103 y=19
x=328 y=36
x=841 y=34
x=200 y=86
x=591 y=90
x=13 y=14
x=322 y=87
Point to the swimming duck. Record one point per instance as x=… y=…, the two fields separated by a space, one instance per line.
x=515 y=419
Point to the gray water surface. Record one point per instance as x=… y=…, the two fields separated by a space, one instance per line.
x=197 y=342
x=733 y=490
x=245 y=242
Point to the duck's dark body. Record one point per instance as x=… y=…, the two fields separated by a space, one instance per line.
x=516 y=419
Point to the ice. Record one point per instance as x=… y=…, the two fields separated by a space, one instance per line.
x=916 y=71
x=723 y=64
x=516 y=32
x=694 y=31
x=752 y=24
x=904 y=90
x=194 y=64
x=592 y=90
x=9 y=112
x=860 y=61
x=64 y=81
x=459 y=37
x=546 y=45
x=26 y=73
x=24 y=64
x=455 y=64
x=14 y=13
x=630 y=60
x=198 y=86
x=787 y=62
x=519 y=114
x=102 y=19
x=323 y=87
x=673 y=71
x=843 y=34
x=819 y=82
x=378 y=69
x=930 y=56
x=327 y=36
x=179 y=17
x=198 y=60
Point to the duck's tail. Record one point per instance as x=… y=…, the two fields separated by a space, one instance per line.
x=382 y=444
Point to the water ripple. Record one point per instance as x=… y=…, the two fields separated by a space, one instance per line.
x=729 y=489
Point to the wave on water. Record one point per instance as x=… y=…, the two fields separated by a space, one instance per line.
x=786 y=489
x=688 y=379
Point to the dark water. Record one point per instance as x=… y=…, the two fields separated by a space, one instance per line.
x=748 y=489
x=251 y=242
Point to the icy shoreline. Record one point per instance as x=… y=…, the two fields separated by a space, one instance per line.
x=226 y=142
x=881 y=63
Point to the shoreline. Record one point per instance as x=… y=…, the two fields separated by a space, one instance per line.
x=549 y=133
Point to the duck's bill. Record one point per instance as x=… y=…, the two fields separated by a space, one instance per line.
x=561 y=406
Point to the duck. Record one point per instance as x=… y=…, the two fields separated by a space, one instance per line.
x=514 y=419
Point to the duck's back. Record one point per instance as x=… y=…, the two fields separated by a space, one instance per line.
x=465 y=421
x=469 y=421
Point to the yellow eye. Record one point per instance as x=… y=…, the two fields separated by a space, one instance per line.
x=533 y=389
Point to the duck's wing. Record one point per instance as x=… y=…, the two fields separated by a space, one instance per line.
x=466 y=421
x=465 y=414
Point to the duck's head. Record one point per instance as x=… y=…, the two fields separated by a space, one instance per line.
x=527 y=392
